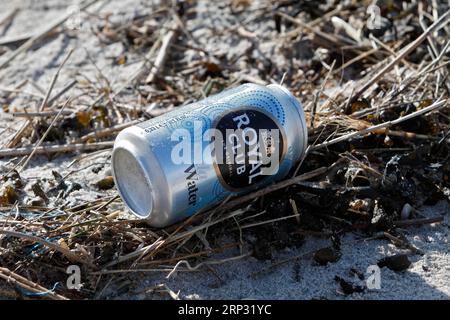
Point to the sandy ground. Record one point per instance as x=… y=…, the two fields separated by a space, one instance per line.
x=427 y=278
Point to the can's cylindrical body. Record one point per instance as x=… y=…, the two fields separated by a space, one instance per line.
x=156 y=171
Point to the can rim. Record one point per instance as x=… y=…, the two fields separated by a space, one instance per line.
x=132 y=175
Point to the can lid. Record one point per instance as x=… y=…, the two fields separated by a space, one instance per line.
x=131 y=182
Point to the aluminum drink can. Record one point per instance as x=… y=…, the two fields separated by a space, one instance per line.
x=167 y=168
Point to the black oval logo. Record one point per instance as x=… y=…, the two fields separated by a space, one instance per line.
x=250 y=149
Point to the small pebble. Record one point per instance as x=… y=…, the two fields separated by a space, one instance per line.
x=406 y=211
x=348 y=287
x=8 y=194
x=105 y=183
x=36 y=202
x=325 y=255
x=398 y=262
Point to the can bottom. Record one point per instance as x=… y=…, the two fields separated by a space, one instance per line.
x=131 y=182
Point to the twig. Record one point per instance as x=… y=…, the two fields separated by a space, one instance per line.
x=9 y=16
x=163 y=52
x=53 y=81
x=316 y=96
x=222 y=248
x=272 y=188
x=29 y=43
x=417 y=222
x=349 y=136
x=135 y=271
x=406 y=134
x=281 y=262
x=211 y=262
x=69 y=86
x=134 y=254
x=14 y=152
x=194 y=230
x=14 y=40
x=336 y=41
x=65 y=252
x=22 y=130
x=43 y=137
x=108 y=131
x=39 y=114
x=316 y=21
x=138 y=73
x=227 y=206
x=403 y=53
x=389 y=49
x=28 y=285
x=269 y=221
x=8 y=90
x=8 y=19
x=401 y=243
x=356 y=59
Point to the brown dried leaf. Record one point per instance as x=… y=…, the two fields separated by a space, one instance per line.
x=8 y=195
x=84 y=117
x=122 y=59
x=105 y=183
x=359 y=105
